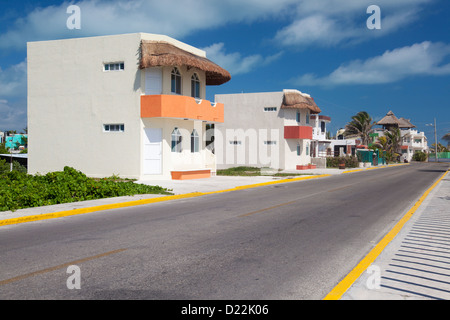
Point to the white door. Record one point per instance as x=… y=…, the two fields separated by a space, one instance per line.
x=153 y=151
x=153 y=81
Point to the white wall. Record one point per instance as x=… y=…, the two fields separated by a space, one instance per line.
x=70 y=97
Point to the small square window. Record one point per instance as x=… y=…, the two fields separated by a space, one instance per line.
x=117 y=66
x=113 y=127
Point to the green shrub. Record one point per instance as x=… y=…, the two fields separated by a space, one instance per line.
x=20 y=190
x=420 y=156
x=349 y=161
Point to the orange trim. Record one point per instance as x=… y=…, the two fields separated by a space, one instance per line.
x=174 y=106
x=191 y=174
x=298 y=132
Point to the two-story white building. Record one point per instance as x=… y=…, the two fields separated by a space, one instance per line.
x=266 y=129
x=131 y=105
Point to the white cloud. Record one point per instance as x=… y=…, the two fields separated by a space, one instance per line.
x=420 y=59
x=13 y=81
x=328 y=23
x=234 y=62
x=13 y=117
x=170 y=17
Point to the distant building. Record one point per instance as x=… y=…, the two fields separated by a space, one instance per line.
x=16 y=141
x=267 y=129
x=321 y=145
x=411 y=139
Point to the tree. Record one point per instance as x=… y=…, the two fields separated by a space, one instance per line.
x=440 y=147
x=361 y=126
x=389 y=144
x=446 y=137
x=394 y=137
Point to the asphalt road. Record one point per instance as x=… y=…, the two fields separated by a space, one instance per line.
x=288 y=241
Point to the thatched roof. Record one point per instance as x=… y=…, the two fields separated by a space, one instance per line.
x=405 y=123
x=389 y=119
x=294 y=99
x=160 y=53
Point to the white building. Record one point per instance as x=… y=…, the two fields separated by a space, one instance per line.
x=267 y=129
x=131 y=105
x=412 y=141
x=321 y=145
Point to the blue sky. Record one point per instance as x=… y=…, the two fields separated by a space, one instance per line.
x=320 y=47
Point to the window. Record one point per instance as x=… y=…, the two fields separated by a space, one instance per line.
x=270 y=109
x=194 y=141
x=298 y=116
x=307 y=117
x=307 y=148
x=299 y=150
x=270 y=142
x=176 y=140
x=117 y=66
x=114 y=127
x=195 y=86
x=175 y=81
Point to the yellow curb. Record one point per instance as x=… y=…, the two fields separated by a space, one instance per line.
x=268 y=183
x=372 y=168
x=72 y=212
x=337 y=292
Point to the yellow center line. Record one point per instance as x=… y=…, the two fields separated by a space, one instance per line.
x=35 y=273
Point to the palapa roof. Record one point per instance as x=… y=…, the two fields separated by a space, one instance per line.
x=294 y=99
x=405 y=123
x=389 y=119
x=161 y=53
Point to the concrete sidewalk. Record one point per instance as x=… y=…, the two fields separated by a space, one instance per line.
x=415 y=265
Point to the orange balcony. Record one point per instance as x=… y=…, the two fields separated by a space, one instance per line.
x=298 y=132
x=183 y=107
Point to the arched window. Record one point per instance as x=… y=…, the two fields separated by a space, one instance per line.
x=175 y=81
x=195 y=86
x=176 y=140
x=194 y=141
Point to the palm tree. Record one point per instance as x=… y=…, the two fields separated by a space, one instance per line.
x=394 y=137
x=361 y=125
x=389 y=144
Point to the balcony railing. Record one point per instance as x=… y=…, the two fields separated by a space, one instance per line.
x=181 y=107
x=298 y=132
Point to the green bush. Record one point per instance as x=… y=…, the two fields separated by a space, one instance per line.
x=21 y=190
x=349 y=161
x=6 y=166
x=419 y=156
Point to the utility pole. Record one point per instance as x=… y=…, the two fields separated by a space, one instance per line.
x=435 y=141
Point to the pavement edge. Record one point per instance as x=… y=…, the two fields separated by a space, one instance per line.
x=338 y=291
